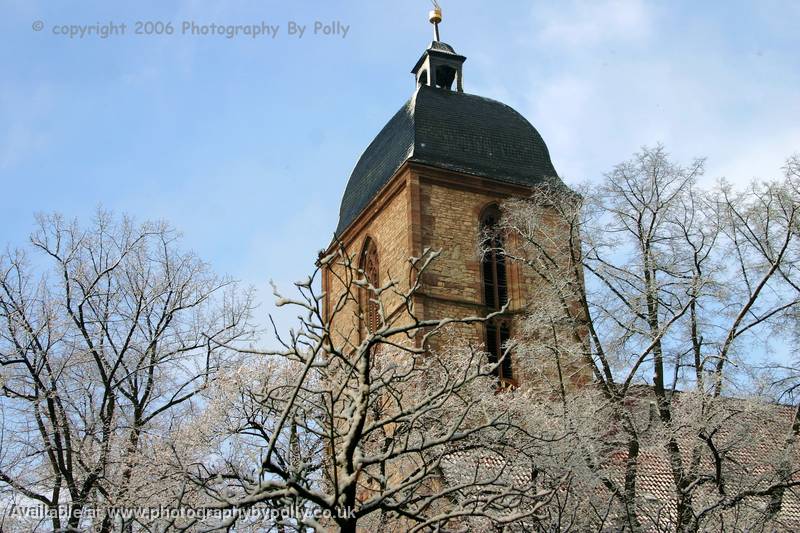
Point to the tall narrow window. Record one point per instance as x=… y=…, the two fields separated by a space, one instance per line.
x=369 y=304
x=497 y=334
x=495 y=282
x=495 y=291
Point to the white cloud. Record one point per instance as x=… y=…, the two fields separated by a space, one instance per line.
x=597 y=99
x=585 y=23
x=759 y=157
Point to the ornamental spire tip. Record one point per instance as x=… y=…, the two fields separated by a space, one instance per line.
x=435 y=17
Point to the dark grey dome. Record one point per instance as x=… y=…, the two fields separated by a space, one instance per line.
x=454 y=131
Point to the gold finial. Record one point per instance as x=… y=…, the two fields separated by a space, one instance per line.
x=435 y=17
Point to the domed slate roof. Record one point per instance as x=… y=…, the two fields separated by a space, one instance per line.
x=454 y=131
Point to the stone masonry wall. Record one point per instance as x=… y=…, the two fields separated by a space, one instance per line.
x=448 y=220
x=388 y=229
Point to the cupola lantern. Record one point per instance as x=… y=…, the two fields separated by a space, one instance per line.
x=440 y=66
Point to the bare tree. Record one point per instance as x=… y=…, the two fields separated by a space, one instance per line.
x=643 y=403
x=664 y=289
x=108 y=334
x=361 y=435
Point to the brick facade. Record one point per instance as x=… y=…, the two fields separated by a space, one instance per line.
x=423 y=207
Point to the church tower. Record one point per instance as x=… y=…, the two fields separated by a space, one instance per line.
x=433 y=178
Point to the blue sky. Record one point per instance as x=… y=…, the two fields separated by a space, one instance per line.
x=246 y=144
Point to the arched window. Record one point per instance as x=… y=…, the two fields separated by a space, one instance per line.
x=369 y=305
x=495 y=290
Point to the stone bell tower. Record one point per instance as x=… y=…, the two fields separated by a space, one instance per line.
x=432 y=178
